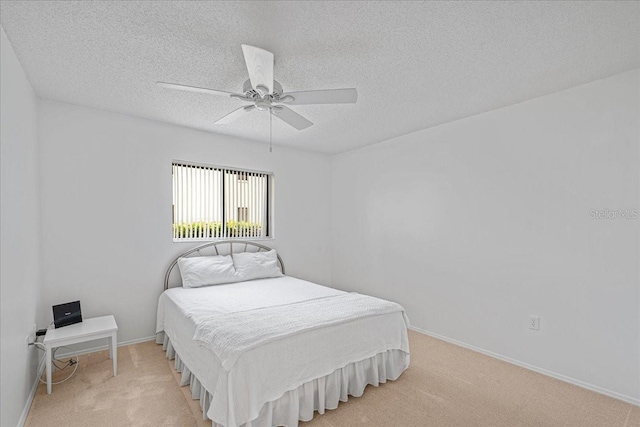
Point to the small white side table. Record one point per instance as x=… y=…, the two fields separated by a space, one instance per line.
x=87 y=330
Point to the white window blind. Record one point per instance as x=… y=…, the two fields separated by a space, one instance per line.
x=218 y=203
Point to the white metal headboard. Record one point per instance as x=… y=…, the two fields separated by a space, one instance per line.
x=222 y=247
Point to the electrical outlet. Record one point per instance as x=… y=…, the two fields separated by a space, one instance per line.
x=534 y=323
x=31 y=338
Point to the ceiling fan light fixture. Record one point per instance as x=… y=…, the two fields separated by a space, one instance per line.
x=263 y=104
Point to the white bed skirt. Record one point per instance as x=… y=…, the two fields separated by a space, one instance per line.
x=316 y=395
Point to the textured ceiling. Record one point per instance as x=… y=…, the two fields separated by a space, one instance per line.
x=415 y=64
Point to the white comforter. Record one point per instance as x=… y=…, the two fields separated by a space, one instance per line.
x=231 y=335
x=243 y=340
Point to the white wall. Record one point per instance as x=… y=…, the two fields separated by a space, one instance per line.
x=19 y=226
x=476 y=224
x=106 y=208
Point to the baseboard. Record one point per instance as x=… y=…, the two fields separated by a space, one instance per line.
x=105 y=347
x=32 y=394
x=34 y=387
x=534 y=368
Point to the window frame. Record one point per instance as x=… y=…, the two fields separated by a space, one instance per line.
x=269 y=227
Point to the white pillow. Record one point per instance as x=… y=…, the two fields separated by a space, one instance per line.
x=256 y=265
x=207 y=270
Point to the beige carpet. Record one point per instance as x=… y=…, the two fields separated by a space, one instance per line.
x=445 y=386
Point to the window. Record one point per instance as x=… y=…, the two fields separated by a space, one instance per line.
x=212 y=202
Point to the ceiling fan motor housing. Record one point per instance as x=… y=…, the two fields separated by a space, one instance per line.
x=251 y=92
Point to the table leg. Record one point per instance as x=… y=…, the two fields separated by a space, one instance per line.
x=48 y=367
x=114 y=352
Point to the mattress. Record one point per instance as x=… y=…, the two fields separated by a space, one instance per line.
x=263 y=373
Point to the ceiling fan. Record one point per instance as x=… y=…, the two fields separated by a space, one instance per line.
x=265 y=94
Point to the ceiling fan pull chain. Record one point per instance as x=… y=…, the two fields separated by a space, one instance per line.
x=270 y=130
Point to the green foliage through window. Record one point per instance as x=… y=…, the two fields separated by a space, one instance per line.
x=199 y=230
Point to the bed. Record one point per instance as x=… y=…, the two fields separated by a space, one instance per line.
x=272 y=351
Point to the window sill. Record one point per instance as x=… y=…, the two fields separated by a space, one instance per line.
x=251 y=239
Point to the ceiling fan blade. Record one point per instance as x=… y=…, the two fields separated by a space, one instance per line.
x=193 y=89
x=289 y=116
x=329 y=96
x=260 y=68
x=234 y=115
